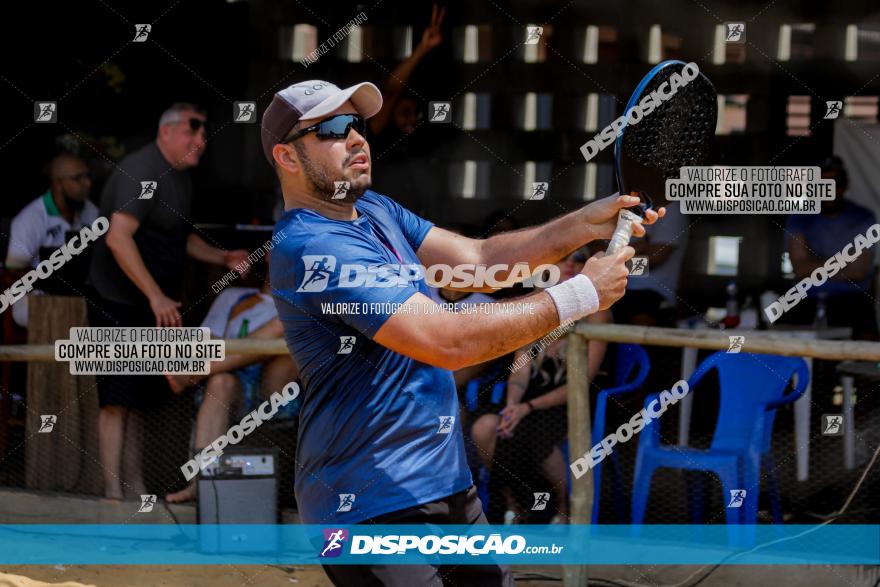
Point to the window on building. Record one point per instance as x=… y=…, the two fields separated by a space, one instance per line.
x=473 y=43
x=731 y=114
x=863 y=108
x=723 y=255
x=797 y=120
x=796 y=41
x=469 y=179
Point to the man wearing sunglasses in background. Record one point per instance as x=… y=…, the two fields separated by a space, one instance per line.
x=137 y=272
x=46 y=221
x=378 y=441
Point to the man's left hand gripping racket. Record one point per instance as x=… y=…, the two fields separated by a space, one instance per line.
x=678 y=132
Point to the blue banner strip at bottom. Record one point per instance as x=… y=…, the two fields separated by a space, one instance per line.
x=517 y=545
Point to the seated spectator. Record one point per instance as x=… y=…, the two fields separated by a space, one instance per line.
x=239 y=383
x=526 y=435
x=651 y=298
x=45 y=222
x=811 y=239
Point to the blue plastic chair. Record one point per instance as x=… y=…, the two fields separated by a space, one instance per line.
x=630 y=373
x=752 y=386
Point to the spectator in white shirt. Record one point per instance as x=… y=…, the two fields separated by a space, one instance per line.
x=45 y=221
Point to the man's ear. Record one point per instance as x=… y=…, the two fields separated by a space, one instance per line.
x=285 y=158
x=165 y=132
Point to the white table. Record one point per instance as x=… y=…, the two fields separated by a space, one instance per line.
x=802 y=407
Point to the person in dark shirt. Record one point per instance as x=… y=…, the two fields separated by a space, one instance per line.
x=137 y=271
x=812 y=239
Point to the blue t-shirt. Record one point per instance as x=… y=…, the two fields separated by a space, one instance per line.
x=371 y=419
x=827 y=235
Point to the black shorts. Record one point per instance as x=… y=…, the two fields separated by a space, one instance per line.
x=461 y=508
x=130 y=391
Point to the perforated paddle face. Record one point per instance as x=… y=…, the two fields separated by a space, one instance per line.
x=678 y=132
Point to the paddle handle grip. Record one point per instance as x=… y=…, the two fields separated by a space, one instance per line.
x=623 y=232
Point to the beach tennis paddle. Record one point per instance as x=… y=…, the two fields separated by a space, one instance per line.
x=677 y=132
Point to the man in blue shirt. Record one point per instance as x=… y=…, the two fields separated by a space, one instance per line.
x=378 y=436
x=812 y=239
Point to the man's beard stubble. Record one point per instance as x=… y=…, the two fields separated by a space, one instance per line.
x=320 y=182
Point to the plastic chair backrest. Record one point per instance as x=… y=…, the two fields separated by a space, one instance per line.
x=749 y=382
x=631 y=357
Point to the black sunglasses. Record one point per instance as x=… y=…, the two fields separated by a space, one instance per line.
x=335 y=127
x=196 y=123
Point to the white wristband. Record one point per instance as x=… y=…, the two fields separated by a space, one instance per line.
x=574 y=298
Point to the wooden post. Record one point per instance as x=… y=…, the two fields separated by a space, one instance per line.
x=65 y=459
x=579 y=432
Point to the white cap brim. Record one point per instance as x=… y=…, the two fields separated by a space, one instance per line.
x=366 y=98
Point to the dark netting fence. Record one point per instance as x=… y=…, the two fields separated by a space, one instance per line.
x=522 y=474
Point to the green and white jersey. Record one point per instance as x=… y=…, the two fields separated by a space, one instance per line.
x=40 y=224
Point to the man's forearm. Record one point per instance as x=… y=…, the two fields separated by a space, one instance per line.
x=478 y=338
x=547 y=243
x=126 y=253
x=198 y=249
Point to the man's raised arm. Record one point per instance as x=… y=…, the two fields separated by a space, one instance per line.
x=455 y=340
x=546 y=243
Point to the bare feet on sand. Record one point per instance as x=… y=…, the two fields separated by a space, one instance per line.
x=189 y=493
